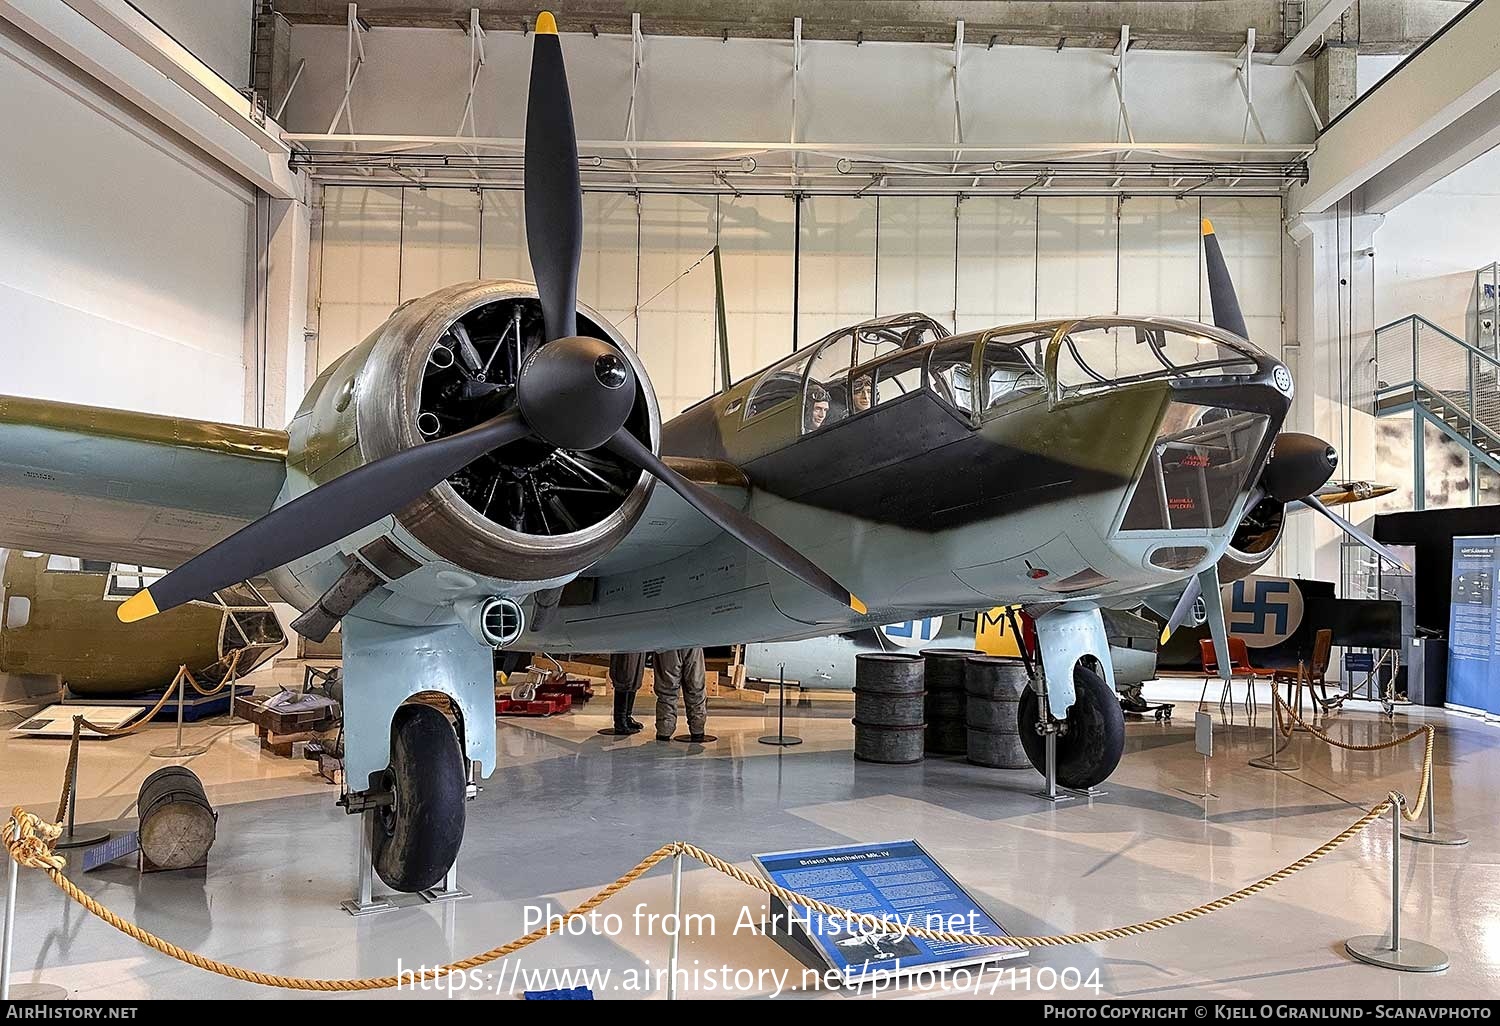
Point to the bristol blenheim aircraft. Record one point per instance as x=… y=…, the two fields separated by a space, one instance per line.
x=486 y=471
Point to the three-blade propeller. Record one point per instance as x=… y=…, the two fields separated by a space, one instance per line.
x=1299 y=464
x=572 y=393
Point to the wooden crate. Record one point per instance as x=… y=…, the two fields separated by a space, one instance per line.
x=279 y=731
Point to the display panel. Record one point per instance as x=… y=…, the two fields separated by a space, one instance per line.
x=1472 y=621
x=899 y=880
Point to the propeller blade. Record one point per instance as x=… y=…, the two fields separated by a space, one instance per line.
x=1183 y=608
x=1356 y=533
x=734 y=522
x=323 y=516
x=554 y=200
x=1220 y=288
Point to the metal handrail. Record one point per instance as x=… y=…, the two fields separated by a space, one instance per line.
x=1415 y=319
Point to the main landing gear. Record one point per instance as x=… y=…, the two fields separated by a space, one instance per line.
x=1090 y=740
x=417 y=834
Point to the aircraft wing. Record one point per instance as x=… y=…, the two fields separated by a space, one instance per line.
x=129 y=487
x=670 y=527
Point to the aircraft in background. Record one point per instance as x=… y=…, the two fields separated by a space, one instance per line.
x=827 y=663
x=482 y=472
x=58 y=620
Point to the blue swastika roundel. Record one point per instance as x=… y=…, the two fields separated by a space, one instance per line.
x=913 y=633
x=1264 y=611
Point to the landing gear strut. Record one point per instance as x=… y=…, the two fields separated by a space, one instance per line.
x=1089 y=742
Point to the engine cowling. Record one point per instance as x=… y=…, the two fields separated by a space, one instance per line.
x=443 y=363
x=1254 y=540
x=1298 y=466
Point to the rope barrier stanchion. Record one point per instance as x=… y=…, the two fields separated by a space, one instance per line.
x=179 y=750
x=1433 y=834
x=24 y=991
x=1280 y=740
x=1395 y=951
x=13 y=871
x=676 y=925
x=74 y=836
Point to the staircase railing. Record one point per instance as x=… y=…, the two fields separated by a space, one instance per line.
x=1419 y=363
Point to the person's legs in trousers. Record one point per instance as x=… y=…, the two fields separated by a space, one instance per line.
x=625 y=670
x=668 y=682
x=695 y=691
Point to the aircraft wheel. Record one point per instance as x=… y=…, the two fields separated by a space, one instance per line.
x=1090 y=747
x=417 y=837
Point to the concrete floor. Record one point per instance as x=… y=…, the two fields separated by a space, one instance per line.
x=568 y=811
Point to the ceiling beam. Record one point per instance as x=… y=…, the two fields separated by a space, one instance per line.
x=1429 y=94
x=1312 y=32
x=1158 y=24
x=112 y=42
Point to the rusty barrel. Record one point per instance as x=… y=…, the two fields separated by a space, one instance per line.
x=946 y=700
x=993 y=686
x=888 y=707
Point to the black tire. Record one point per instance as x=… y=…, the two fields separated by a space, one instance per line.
x=417 y=839
x=1090 y=749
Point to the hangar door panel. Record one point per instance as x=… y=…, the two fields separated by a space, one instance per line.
x=123 y=256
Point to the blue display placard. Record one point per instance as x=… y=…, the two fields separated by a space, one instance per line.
x=1473 y=620
x=898 y=881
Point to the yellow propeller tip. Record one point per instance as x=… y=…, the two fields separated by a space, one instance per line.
x=1208 y=227
x=137 y=607
x=1165 y=634
x=546 y=25
x=856 y=605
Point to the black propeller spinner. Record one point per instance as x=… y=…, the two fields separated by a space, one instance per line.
x=572 y=393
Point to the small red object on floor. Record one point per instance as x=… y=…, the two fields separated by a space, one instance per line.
x=544 y=705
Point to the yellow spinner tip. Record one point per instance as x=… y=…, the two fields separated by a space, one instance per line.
x=856 y=605
x=546 y=25
x=137 y=607
x=1208 y=227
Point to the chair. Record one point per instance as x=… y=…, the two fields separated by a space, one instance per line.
x=1316 y=672
x=1239 y=665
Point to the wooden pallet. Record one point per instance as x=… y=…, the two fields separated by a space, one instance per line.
x=279 y=731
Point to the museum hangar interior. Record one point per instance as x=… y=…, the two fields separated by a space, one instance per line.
x=1011 y=470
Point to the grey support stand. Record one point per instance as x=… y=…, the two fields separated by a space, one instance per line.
x=365 y=902
x=448 y=890
x=1433 y=834
x=1407 y=956
x=1051 y=792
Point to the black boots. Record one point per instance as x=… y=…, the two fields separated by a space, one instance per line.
x=630 y=721
x=624 y=703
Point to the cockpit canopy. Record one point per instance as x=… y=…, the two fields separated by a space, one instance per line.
x=856 y=369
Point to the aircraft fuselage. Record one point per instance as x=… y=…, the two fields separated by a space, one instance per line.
x=944 y=498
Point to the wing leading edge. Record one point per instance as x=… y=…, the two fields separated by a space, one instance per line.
x=670 y=527
x=129 y=487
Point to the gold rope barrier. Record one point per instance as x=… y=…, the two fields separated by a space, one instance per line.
x=1293 y=721
x=80 y=723
x=230 y=676
x=28 y=840
x=140 y=723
